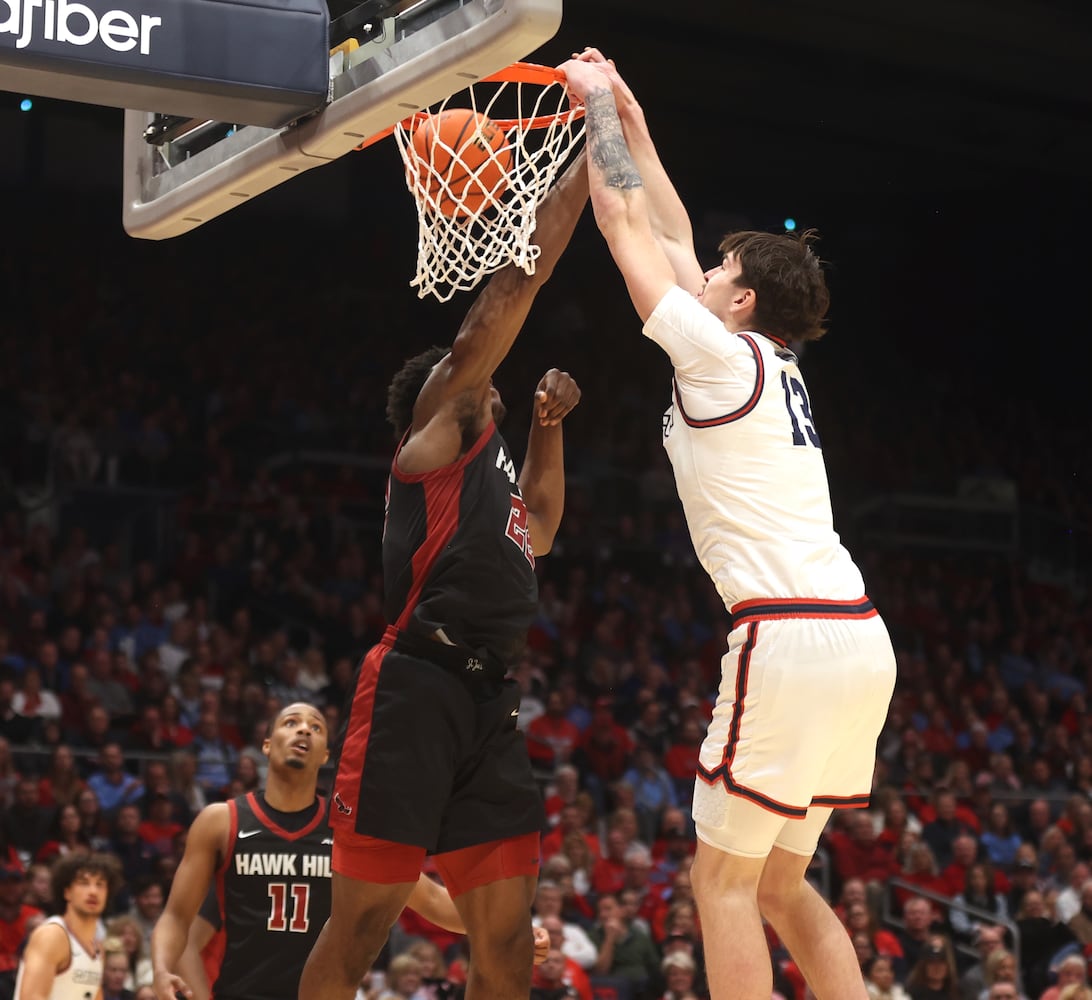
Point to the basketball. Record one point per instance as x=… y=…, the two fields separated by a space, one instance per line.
x=466 y=157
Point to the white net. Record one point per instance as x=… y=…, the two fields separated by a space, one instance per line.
x=467 y=230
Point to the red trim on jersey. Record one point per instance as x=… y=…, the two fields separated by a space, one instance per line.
x=443 y=490
x=233 y=830
x=280 y=831
x=727 y=418
x=777 y=340
x=212 y=958
x=445 y=470
x=350 y=766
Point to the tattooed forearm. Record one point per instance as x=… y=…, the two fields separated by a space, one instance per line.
x=607 y=145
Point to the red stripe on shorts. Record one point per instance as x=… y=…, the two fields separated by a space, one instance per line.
x=350 y=768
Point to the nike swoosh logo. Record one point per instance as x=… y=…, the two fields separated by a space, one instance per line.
x=515 y=712
x=328 y=840
x=243 y=834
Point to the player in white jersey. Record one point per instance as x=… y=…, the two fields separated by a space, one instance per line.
x=809 y=671
x=63 y=957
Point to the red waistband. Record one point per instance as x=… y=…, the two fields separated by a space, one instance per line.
x=766 y=609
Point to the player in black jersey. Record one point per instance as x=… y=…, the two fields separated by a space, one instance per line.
x=432 y=761
x=269 y=855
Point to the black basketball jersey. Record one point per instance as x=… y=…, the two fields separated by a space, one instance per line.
x=457 y=553
x=274 y=893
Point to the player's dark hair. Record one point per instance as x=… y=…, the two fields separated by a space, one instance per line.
x=406 y=386
x=67 y=869
x=788 y=280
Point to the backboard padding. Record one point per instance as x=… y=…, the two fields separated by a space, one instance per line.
x=475 y=39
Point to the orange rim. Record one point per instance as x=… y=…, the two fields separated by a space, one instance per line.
x=520 y=72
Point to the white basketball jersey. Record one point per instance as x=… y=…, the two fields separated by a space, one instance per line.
x=748 y=461
x=82 y=978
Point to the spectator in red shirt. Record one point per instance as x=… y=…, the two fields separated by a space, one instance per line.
x=609 y=874
x=66 y=836
x=964 y=855
x=937 y=737
x=570 y=821
x=552 y=738
x=897 y=820
x=605 y=747
x=160 y=828
x=170 y=721
x=921 y=870
x=16 y=921
x=681 y=759
x=61 y=784
x=858 y=854
x=859 y=919
x=77 y=699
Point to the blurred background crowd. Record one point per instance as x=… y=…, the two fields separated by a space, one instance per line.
x=190 y=510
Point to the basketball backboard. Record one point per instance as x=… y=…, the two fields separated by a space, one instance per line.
x=397 y=57
x=263 y=62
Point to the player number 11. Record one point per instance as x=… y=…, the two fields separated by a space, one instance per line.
x=279 y=893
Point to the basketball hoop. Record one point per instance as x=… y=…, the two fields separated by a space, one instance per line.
x=465 y=233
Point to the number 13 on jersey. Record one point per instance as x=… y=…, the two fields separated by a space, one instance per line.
x=796 y=400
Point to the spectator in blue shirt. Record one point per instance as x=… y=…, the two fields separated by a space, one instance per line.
x=653 y=791
x=111 y=784
x=215 y=757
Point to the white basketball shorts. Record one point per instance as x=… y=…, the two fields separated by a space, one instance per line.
x=805 y=688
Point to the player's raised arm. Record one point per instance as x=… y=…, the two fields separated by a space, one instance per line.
x=617 y=191
x=206 y=846
x=666 y=212
x=496 y=317
x=542 y=478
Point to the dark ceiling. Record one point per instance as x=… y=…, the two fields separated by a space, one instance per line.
x=859 y=94
x=789 y=98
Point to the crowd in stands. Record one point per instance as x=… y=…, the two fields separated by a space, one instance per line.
x=138 y=669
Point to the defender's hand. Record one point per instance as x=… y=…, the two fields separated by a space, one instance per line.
x=167 y=985
x=556 y=396
x=542 y=944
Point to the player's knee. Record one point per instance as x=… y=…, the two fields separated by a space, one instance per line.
x=358 y=932
x=778 y=891
x=717 y=873
x=374 y=923
x=505 y=946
